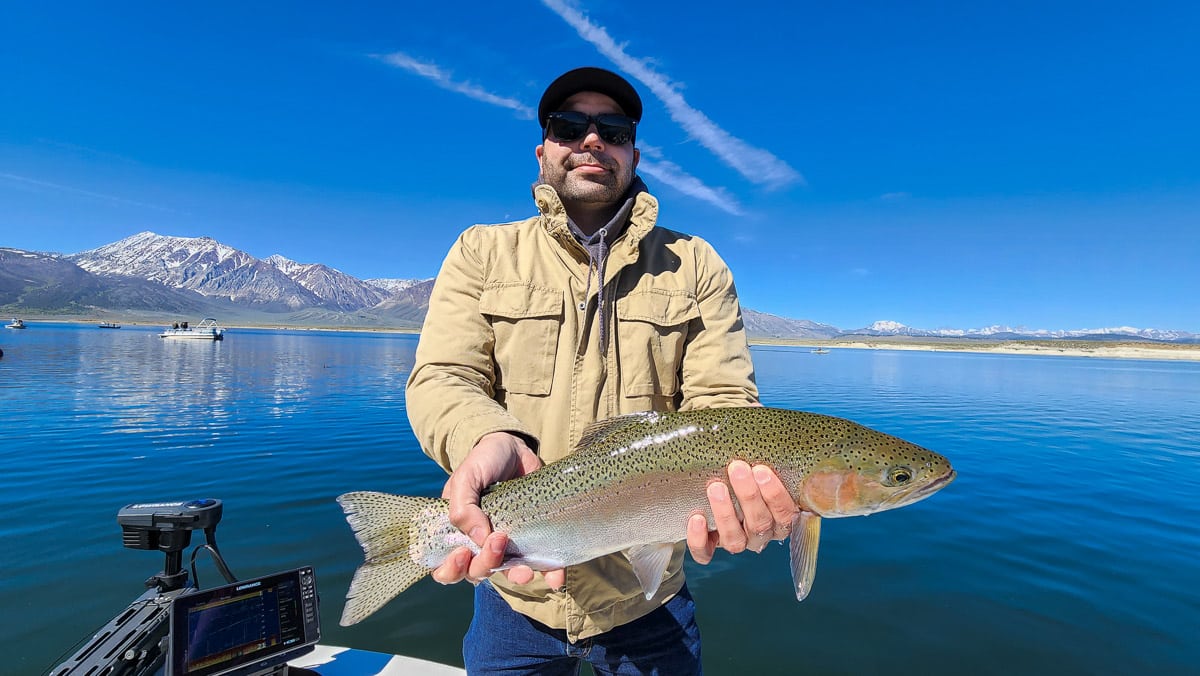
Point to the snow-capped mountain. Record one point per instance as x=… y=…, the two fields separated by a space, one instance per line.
x=763 y=325
x=216 y=270
x=334 y=287
x=395 y=286
x=891 y=328
x=199 y=264
x=156 y=274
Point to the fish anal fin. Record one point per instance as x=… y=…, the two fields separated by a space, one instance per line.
x=805 y=538
x=650 y=562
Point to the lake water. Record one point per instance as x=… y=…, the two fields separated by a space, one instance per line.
x=1070 y=543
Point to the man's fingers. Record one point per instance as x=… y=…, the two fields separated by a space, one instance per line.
x=519 y=574
x=778 y=501
x=758 y=525
x=556 y=579
x=700 y=543
x=489 y=558
x=468 y=518
x=454 y=568
x=729 y=528
x=529 y=460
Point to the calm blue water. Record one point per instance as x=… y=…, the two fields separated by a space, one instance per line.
x=1070 y=543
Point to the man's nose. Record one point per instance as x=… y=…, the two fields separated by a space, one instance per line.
x=591 y=138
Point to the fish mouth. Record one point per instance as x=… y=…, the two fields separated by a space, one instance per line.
x=921 y=492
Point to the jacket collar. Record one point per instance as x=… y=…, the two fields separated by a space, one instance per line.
x=642 y=217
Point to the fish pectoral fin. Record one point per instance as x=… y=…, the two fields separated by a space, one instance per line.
x=805 y=538
x=650 y=563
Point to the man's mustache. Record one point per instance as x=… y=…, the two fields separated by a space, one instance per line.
x=590 y=158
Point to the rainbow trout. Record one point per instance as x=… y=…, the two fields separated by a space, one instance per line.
x=630 y=486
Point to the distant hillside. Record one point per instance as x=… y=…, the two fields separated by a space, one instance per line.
x=763 y=325
x=154 y=276
x=51 y=284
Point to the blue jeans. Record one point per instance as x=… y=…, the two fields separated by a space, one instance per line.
x=503 y=641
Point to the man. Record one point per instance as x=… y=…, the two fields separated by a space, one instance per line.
x=540 y=327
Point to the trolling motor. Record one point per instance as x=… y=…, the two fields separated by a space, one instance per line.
x=168 y=526
x=133 y=641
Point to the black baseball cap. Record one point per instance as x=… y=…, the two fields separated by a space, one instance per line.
x=590 y=79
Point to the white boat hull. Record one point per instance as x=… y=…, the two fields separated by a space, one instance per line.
x=208 y=329
x=329 y=660
x=189 y=334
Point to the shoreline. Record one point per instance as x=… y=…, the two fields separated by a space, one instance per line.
x=1125 y=349
x=1117 y=349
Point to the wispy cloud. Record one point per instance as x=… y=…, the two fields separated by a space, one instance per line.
x=445 y=80
x=756 y=164
x=653 y=164
x=892 y=196
x=34 y=184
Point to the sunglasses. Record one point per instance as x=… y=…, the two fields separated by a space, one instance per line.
x=571 y=125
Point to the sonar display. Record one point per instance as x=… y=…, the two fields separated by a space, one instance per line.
x=253 y=619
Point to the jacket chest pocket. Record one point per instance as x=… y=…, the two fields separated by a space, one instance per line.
x=652 y=329
x=526 y=321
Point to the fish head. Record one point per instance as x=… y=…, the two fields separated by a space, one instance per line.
x=872 y=472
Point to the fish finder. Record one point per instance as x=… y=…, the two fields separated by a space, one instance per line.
x=249 y=627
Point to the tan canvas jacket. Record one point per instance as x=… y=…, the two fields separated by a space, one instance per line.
x=511 y=344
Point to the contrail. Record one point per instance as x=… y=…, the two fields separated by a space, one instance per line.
x=443 y=79
x=657 y=167
x=654 y=165
x=86 y=193
x=756 y=164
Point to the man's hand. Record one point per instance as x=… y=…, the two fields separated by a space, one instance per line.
x=497 y=457
x=767 y=512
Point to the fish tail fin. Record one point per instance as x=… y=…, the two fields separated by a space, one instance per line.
x=383 y=525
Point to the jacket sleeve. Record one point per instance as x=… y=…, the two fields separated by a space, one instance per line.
x=716 y=369
x=450 y=393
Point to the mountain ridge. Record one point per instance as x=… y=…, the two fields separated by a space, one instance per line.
x=159 y=275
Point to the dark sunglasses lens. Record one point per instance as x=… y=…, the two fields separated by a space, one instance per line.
x=568 y=126
x=615 y=129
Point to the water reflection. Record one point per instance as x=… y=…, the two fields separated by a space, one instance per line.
x=1068 y=539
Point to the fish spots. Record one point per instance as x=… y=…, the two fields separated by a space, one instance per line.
x=617 y=457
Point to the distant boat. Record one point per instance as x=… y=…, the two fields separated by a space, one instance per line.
x=207 y=329
x=16 y=324
x=820 y=350
x=109 y=325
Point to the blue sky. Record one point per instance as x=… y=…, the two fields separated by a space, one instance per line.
x=942 y=165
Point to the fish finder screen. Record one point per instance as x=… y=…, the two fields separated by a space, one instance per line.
x=243 y=625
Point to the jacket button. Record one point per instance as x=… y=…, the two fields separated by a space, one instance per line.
x=582 y=306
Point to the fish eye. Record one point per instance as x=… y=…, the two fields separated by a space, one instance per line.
x=899 y=475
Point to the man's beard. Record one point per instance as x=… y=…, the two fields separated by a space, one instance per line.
x=604 y=188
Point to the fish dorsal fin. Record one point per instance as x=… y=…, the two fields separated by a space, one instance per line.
x=805 y=538
x=650 y=561
x=597 y=431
